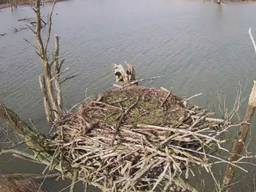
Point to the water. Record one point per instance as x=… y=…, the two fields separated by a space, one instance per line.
x=194 y=46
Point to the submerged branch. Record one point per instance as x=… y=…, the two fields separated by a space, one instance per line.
x=33 y=139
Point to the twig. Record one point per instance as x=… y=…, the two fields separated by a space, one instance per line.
x=166 y=98
x=193 y=96
x=117 y=126
x=252 y=39
x=50 y=25
x=74 y=180
x=68 y=78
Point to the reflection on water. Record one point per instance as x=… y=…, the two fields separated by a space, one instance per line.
x=194 y=46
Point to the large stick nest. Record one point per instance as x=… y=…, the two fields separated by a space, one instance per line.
x=136 y=139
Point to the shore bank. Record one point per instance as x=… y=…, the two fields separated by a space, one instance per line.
x=15 y=3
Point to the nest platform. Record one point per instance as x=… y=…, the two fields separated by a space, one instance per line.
x=137 y=139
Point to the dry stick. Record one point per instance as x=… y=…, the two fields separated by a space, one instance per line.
x=85 y=186
x=57 y=68
x=74 y=180
x=193 y=96
x=121 y=119
x=252 y=39
x=50 y=26
x=166 y=98
x=136 y=82
x=47 y=109
x=38 y=30
x=210 y=119
x=239 y=144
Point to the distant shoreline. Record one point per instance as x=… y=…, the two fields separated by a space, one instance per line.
x=231 y=1
x=16 y=3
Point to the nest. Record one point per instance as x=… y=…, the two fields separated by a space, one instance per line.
x=137 y=139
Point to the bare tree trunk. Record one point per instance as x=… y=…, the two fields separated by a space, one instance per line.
x=239 y=144
x=49 y=79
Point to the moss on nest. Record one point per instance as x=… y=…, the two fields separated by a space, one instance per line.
x=153 y=106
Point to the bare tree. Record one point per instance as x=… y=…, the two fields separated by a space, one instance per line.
x=239 y=144
x=50 y=77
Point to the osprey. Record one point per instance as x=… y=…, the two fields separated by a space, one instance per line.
x=122 y=75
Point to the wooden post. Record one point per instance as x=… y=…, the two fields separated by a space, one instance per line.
x=239 y=144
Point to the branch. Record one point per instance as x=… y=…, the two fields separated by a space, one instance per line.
x=252 y=39
x=50 y=25
x=57 y=69
x=33 y=139
x=51 y=90
x=239 y=144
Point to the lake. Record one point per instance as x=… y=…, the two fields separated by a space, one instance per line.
x=194 y=46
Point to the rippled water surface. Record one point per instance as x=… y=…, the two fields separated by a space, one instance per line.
x=194 y=46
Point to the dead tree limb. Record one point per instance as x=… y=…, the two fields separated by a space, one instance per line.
x=49 y=79
x=45 y=99
x=252 y=39
x=239 y=144
x=33 y=139
x=57 y=70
